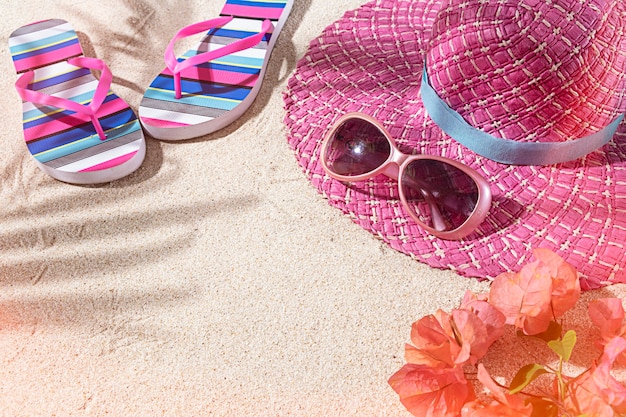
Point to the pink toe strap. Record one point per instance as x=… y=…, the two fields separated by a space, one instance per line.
x=176 y=67
x=102 y=90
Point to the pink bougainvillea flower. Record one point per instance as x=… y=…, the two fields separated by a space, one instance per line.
x=493 y=318
x=503 y=404
x=607 y=314
x=433 y=382
x=595 y=392
x=542 y=291
x=565 y=282
x=462 y=336
x=524 y=298
x=471 y=336
x=432 y=392
x=432 y=343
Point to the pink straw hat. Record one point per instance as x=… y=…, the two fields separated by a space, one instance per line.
x=530 y=93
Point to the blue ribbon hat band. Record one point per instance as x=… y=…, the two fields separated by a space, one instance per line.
x=509 y=151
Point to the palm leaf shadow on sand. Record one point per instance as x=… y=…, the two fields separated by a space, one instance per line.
x=62 y=238
x=54 y=248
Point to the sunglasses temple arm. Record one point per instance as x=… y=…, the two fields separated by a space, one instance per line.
x=392 y=170
x=439 y=221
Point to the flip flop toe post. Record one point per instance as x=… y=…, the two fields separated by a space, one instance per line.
x=213 y=84
x=75 y=127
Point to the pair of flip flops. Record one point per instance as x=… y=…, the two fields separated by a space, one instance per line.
x=80 y=132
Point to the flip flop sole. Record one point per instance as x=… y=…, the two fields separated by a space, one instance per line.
x=64 y=143
x=217 y=92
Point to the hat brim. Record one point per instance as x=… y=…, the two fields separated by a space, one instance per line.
x=371 y=61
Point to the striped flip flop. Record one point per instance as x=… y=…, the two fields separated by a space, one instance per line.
x=212 y=85
x=77 y=130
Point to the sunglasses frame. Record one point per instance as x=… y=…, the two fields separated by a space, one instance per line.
x=394 y=166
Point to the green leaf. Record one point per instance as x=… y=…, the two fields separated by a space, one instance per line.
x=553 y=333
x=543 y=408
x=565 y=346
x=525 y=376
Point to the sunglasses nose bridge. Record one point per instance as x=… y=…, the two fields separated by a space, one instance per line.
x=395 y=161
x=396 y=156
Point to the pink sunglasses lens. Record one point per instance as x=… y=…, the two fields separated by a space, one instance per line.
x=356 y=148
x=439 y=194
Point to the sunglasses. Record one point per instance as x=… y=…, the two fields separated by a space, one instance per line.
x=445 y=197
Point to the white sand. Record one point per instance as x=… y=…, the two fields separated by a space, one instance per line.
x=213 y=281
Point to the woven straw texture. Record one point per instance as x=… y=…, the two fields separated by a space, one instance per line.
x=531 y=70
x=371 y=61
